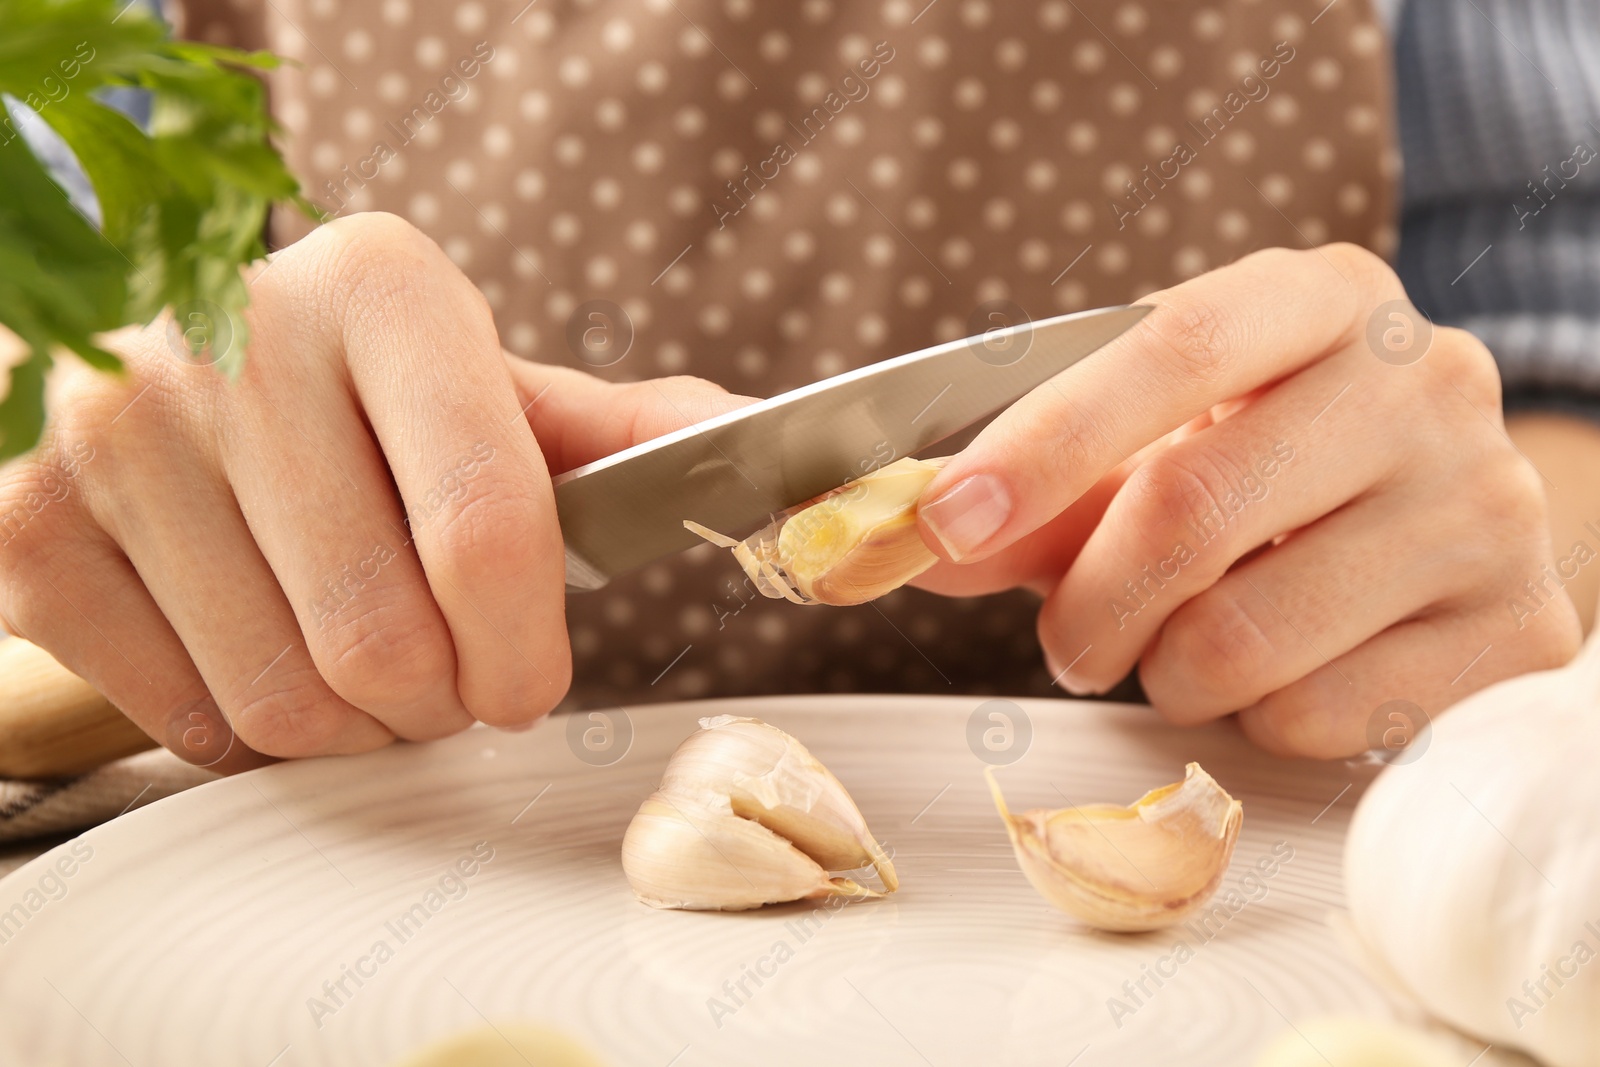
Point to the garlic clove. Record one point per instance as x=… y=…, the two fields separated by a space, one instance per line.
x=678 y=853
x=771 y=778
x=505 y=1044
x=1141 y=867
x=746 y=816
x=848 y=546
x=1355 y=1042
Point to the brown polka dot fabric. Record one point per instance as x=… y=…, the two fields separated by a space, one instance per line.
x=777 y=193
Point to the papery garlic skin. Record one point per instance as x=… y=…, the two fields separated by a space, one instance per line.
x=1145 y=866
x=678 y=854
x=771 y=778
x=746 y=816
x=848 y=546
x=1473 y=872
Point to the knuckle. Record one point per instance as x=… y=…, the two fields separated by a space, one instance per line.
x=1221 y=645
x=374 y=259
x=1294 y=731
x=1070 y=444
x=28 y=487
x=1511 y=493
x=44 y=533
x=689 y=383
x=663 y=404
x=1171 y=495
x=488 y=532
x=1196 y=336
x=97 y=408
x=383 y=656
x=1373 y=274
x=290 y=719
x=374 y=231
x=1557 y=640
x=1469 y=365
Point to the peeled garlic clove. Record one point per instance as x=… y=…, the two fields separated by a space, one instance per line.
x=681 y=854
x=745 y=816
x=771 y=778
x=1141 y=867
x=846 y=547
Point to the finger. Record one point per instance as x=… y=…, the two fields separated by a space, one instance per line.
x=179 y=526
x=1189 y=513
x=427 y=367
x=578 y=418
x=1306 y=602
x=319 y=500
x=1209 y=340
x=80 y=599
x=1036 y=561
x=1330 y=713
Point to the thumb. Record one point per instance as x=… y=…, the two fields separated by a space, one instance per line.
x=578 y=418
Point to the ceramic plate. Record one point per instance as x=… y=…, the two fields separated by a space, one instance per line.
x=349 y=911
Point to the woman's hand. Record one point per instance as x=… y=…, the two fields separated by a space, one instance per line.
x=355 y=541
x=1310 y=530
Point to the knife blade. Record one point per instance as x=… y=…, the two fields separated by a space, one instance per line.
x=733 y=472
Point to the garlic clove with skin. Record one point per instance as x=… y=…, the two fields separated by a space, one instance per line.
x=682 y=854
x=771 y=778
x=846 y=547
x=1141 y=867
x=746 y=816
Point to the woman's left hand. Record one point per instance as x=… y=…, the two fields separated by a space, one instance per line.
x=1282 y=494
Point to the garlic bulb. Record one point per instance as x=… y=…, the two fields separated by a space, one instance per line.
x=1473 y=873
x=846 y=547
x=1141 y=867
x=745 y=816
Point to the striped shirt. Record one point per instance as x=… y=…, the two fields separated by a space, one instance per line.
x=1499 y=114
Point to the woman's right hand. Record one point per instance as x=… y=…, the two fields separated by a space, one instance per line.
x=354 y=541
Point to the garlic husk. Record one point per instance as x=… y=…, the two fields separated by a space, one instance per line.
x=771 y=778
x=746 y=816
x=1476 y=868
x=846 y=547
x=1141 y=867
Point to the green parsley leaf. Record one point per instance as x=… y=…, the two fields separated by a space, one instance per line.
x=183 y=206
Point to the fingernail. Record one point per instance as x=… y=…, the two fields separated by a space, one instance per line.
x=1059 y=676
x=1075 y=687
x=968 y=515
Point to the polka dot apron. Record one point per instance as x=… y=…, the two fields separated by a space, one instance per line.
x=772 y=194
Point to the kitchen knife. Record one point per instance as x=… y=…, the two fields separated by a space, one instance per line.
x=733 y=472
